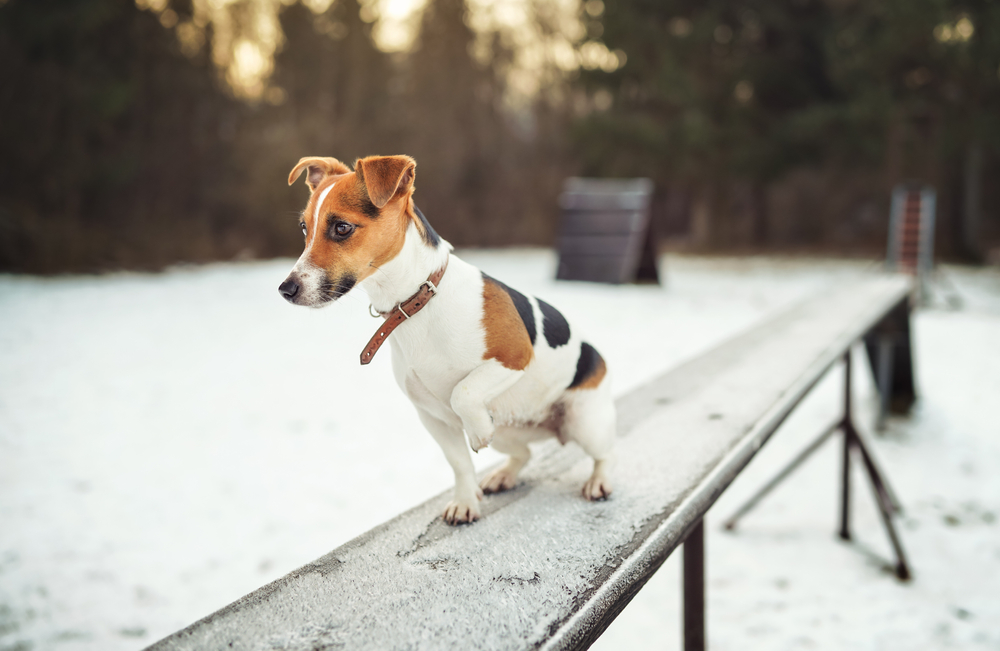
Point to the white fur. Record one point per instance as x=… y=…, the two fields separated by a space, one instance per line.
x=310 y=276
x=316 y=217
x=438 y=362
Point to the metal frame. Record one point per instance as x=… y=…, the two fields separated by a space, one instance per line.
x=853 y=441
x=694 y=588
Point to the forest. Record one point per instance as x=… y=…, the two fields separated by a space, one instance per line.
x=141 y=134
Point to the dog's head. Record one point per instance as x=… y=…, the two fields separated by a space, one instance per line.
x=355 y=221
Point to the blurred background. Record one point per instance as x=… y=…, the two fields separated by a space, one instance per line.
x=158 y=455
x=141 y=134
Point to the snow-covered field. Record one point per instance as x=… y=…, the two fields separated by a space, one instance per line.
x=171 y=442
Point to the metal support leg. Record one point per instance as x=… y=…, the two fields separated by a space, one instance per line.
x=845 y=489
x=886 y=345
x=885 y=508
x=694 y=589
x=875 y=472
x=885 y=498
x=787 y=470
x=845 y=463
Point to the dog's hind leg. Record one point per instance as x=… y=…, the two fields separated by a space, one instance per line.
x=465 y=505
x=512 y=441
x=590 y=421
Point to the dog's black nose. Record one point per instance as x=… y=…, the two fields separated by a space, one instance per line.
x=289 y=289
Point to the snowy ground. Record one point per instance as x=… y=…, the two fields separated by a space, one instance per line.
x=171 y=442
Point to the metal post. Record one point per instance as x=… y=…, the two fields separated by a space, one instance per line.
x=886 y=344
x=694 y=588
x=885 y=508
x=848 y=429
x=875 y=472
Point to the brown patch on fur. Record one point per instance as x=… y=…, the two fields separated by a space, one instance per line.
x=594 y=380
x=378 y=236
x=318 y=169
x=507 y=340
x=385 y=177
x=374 y=242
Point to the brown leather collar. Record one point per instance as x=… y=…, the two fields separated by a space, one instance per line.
x=402 y=312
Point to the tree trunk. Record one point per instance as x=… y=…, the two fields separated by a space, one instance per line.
x=972 y=201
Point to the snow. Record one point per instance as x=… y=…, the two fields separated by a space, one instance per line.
x=541 y=549
x=171 y=442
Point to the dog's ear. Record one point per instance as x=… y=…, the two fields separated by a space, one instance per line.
x=385 y=176
x=317 y=169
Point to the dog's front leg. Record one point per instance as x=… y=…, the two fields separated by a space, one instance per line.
x=471 y=396
x=465 y=506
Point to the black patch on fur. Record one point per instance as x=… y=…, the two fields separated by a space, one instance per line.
x=586 y=365
x=369 y=209
x=344 y=285
x=363 y=204
x=521 y=303
x=554 y=325
x=430 y=235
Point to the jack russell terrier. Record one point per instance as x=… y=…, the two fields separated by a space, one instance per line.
x=471 y=354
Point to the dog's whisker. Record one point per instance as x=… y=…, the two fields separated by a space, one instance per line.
x=334 y=293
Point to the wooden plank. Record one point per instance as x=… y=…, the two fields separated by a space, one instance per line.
x=594 y=268
x=611 y=202
x=615 y=214
x=611 y=245
x=596 y=222
x=544 y=568
x=606 y=194
x=586 y=185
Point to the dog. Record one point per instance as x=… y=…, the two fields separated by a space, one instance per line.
x=476 y=358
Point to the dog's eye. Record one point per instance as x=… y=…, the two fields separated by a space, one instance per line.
x=305 y=232
x=341 y=230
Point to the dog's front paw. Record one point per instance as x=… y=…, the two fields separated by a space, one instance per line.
x=501 y=479
x=597 y=488
x=461 y=512
x=479 y=441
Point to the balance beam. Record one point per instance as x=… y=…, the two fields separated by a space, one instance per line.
x=544 y=568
